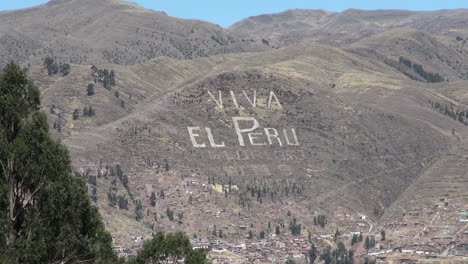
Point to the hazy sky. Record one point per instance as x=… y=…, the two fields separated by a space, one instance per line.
x=225 y=12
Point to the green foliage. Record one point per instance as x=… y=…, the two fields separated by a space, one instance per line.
x=370 y=242
x=138 y=210
x=367 y=261
x=89 y=111
x=122 y=202
x=153 y=199
x=171 y=247
x=418 y=69
x=321 y=220
x=94 y=195
x=295 y=227
x=65 y=68
x=53 y=67
x=45 y=212
x=170 y=214
x=107 y=78
x=338 y=256
x=459 y=115
x=312 y=254
x=92 y=180
x=112 y=78
x=76 y=114
x=112 y=198
x=90 y=89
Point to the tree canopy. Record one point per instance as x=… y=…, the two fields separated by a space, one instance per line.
x=169 y=249
x=45 y=212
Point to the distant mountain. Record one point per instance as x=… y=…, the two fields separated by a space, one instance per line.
x=343 y=28
x=108 y=31
x=403 y=48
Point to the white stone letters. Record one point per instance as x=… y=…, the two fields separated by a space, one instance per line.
x=246 y=127
x=239 y=131
x=272 y=99
x=272 y=94
x=193 y=135
x=211 y=139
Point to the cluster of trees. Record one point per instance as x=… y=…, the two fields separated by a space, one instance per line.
x=120 y=175
x=120 y=201
x=320 y=220
x=356 y=239
x=295 y=227
x=89 y=111
x=418 y=69
x=263 y=191
x=106 y=77
x=456 y=114
x=169 y=248
x=53 y=67
x=340 y=255
x=45 y=213
x=370 y=242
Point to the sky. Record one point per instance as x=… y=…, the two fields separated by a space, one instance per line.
x=225 y=13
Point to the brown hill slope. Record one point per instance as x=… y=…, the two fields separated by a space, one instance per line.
x=340 y=29
x=405 y=48
x=353 y=151
x=108 y=31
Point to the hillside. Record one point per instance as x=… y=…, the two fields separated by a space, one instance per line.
x=351 y=25
x=405 y=48
x=108 y=31
x=364 y=155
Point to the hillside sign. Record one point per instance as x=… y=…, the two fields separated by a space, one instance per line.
x=247 y=129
